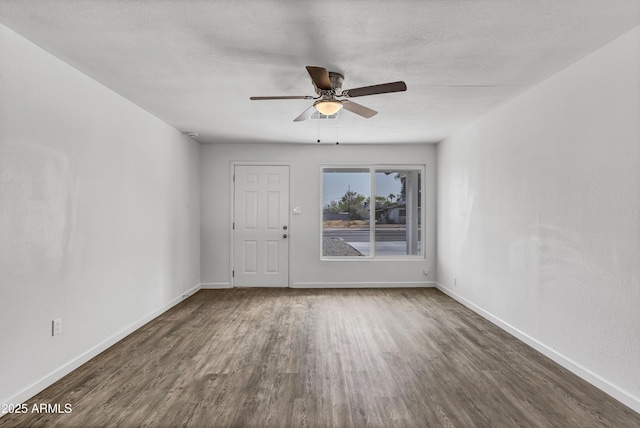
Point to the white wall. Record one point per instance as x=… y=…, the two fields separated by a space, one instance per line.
x=539 y=217
x=306 y=269
x=99 y=217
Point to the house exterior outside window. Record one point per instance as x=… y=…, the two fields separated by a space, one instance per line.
x=372 y=212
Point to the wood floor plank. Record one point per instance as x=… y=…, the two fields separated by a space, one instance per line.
x=323 y=358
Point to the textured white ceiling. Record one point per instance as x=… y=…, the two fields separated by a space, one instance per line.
x=194 y=64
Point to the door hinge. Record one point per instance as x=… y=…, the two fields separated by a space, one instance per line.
x=233 y=225
x=233 y=274
x=234 y=178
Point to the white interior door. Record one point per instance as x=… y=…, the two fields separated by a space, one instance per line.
x=261 y=222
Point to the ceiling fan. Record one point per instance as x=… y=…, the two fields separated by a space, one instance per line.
x=328 y=87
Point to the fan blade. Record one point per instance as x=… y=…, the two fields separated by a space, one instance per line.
x=305 y=114
x=320 y=77
x=375 y=89
x=302 y=97
x=358 y=109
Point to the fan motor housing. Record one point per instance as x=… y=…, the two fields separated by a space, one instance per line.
x=336 y=80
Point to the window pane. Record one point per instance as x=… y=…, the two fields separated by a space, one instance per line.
x=345 y=214
x=398 y=213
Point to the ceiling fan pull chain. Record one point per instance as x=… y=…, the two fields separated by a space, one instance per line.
x=337 y=126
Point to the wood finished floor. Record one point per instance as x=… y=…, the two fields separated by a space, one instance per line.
x=321 y=358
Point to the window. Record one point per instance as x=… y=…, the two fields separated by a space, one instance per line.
x=355 y=227
x=345 y=217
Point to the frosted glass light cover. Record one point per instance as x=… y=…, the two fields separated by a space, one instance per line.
x=328 y=107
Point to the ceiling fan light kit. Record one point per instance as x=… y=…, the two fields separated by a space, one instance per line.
x=328 y=87
x=328 y=107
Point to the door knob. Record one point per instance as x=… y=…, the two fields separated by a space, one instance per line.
x=285 y=235
x=284 y=227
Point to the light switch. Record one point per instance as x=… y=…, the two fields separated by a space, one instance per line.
x=297 y=210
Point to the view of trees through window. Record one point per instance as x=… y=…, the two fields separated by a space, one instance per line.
x=345 y=218
x=348 y=212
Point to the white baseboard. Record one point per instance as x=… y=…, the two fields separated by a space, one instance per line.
x=215 y=285
x=616 y=392
x=184 y=295
x=67 y=368
x=386 y=284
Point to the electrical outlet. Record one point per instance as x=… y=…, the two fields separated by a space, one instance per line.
x=56 y=326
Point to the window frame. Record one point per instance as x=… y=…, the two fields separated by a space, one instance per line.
x=372 y=168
